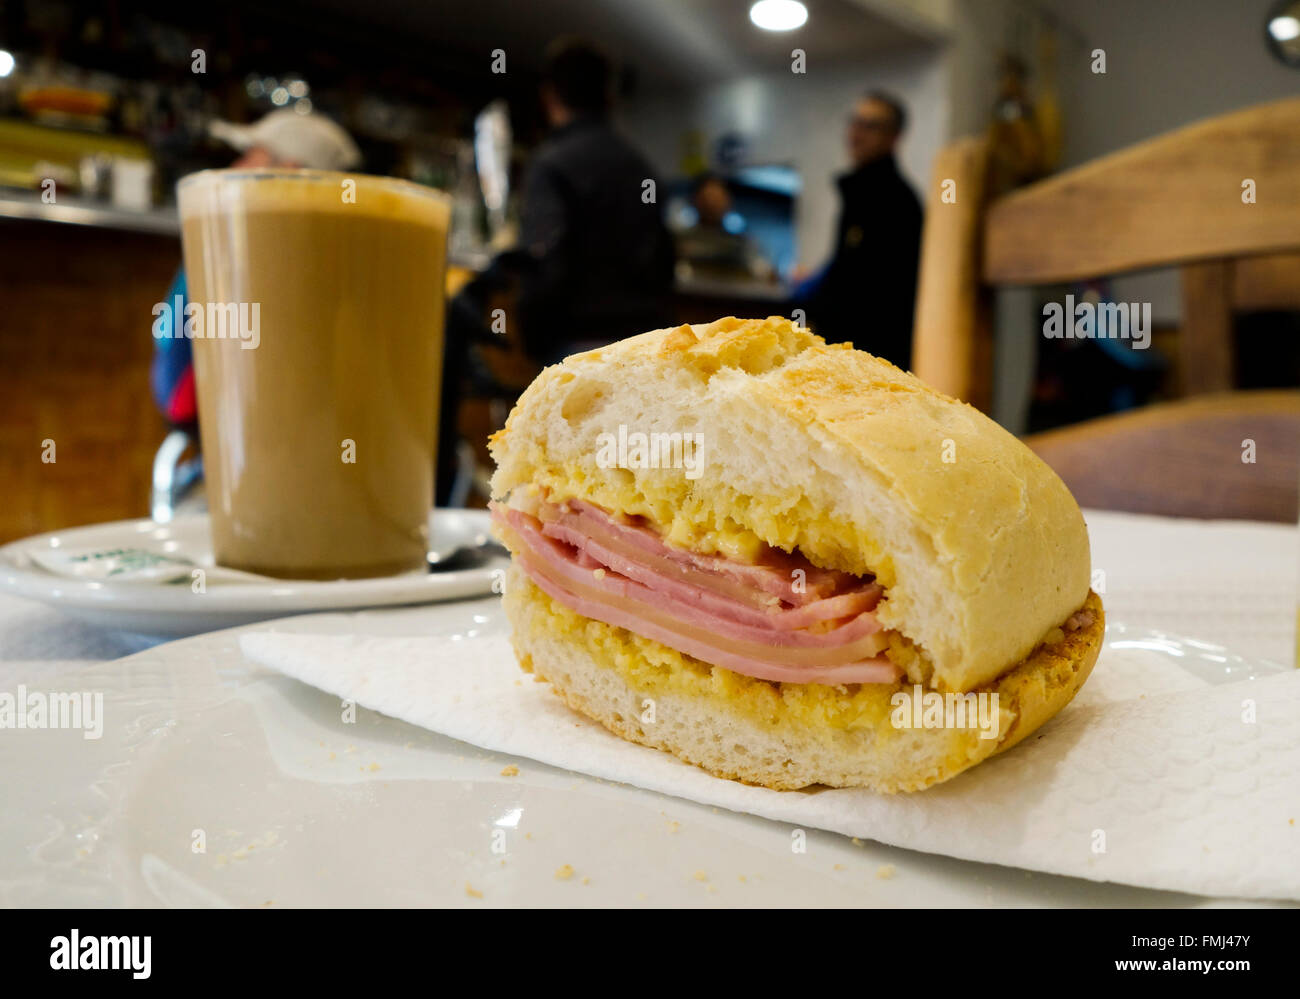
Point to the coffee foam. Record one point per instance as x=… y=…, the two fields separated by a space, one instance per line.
x=217 y=192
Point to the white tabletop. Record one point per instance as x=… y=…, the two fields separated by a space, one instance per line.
x=36 y=640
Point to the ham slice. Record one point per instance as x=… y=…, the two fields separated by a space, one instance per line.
x=752 y=618
x=772 y=576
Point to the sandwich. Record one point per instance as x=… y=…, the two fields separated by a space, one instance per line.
x=788 y=562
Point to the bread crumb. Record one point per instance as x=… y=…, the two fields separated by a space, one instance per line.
x=856 y=841
x=528 y=835
x=700 y=876
x=586 y=881
x=711 y=889
x=885 y=872
x=471 y=891
x=350 y=749
x=674 y=826
x=742 y=879
x=598 y=573
x=839 y=867
x=373 y=767
x=564 y=873
x=510 y=770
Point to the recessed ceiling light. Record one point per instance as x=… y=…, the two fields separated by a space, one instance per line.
x=778 y=15
x=1283 y=28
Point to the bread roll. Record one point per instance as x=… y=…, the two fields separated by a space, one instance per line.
x=856 y=466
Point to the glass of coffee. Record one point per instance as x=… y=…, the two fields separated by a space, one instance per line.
x=316 y=313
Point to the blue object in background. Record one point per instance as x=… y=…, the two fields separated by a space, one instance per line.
x=171 y=373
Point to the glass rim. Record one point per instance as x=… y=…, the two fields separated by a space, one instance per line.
x=313 y=173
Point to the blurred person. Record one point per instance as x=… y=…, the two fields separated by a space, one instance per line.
x=708 y=247
x=867 y=292
x=598 y=259
x=279 y=139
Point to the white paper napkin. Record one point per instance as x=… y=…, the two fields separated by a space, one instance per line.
x=1151 y=777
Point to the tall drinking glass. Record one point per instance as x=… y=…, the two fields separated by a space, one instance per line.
x=316 y=312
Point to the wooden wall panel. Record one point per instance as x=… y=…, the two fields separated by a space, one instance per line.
x=75 y=315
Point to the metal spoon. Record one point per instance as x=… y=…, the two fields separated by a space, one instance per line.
x=480 y=551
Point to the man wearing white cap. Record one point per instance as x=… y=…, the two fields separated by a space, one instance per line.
x=289 y=139
x=279 y=139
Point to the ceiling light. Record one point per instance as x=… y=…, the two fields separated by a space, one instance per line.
x=778 y=15
x=6 y=63
x=1284 y=28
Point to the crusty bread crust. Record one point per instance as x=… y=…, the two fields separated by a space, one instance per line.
x=830 y=450
x=783 y=751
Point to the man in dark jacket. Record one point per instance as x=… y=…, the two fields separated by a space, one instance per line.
x=867 y=292
x=599 y=257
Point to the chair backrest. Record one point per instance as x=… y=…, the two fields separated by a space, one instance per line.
x=952 y=331
x=1200 y=197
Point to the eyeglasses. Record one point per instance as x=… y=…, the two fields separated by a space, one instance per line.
x=870 y=124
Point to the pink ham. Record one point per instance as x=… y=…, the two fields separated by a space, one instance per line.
x=558 y=563
x=772 y=576
x=685 y=586
x=743 y=617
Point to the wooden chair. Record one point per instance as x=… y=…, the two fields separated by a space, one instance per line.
x=1234 y=455
x=1173 y=200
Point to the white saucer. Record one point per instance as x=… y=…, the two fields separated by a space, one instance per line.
x=174 y=609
